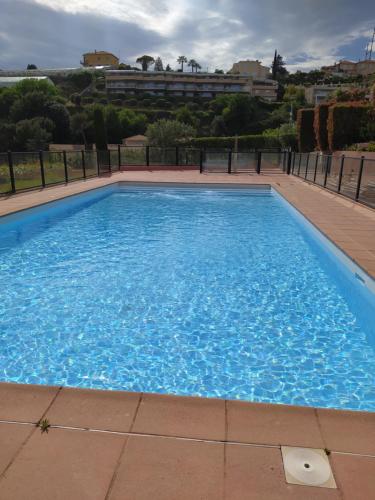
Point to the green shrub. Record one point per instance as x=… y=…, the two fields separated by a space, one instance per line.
x=320 y=126
x=87 y=100
x=164 y=133
x=346 y=122
x=305 y=130
x=244 y=142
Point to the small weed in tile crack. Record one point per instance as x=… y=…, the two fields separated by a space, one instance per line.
x=44 y=425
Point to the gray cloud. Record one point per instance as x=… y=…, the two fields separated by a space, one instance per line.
x=307 y=33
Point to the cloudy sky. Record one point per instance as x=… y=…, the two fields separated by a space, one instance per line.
x=308 y=33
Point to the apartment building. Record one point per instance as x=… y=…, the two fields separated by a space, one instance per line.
x=99 y=58
x=351 y=68
x=208 y=85
x=254 y=69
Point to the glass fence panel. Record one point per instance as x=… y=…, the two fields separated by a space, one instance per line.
x=91 y=163
x=26 y=167
x=103 y=158
x=323 y=165
x=162 y=156
x=74 y=164
x=133 y=155
x=244 y=162
x=114 y=159
x=271 y=162
x=350 y=177
x=302 y=162
x=310 y=167
x=5 y=185
x=215 y=161
x=367 y=190
x=188 y=156
x=333 y=172
x=54 y=170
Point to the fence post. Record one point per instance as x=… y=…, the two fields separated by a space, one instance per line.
x=289 y=162
x=340 y=174
x=42 y=169
x=359 y=178
x=177 y=156
x=316 y=166
x=147 y=156
x=11 y=172
x=201 y=161
x=230 y=161
x=65 y=167
x=83 y=164
x=294 y=162
x=109 y=161
x=119 y=156
x=307 y=165
x=259 y=161
x=326 y=173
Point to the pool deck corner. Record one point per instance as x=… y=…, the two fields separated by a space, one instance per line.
x=119 y=445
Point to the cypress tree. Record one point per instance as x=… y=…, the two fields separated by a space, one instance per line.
x=100 y=130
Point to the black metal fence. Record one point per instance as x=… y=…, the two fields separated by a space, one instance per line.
x=349 y=176
x=20 y=171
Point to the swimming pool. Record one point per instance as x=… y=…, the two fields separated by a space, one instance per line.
x=218 y=292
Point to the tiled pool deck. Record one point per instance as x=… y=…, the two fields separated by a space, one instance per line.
x=128 y=446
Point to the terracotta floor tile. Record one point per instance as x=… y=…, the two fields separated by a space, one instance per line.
x=104 y=410
x=12 y=436
x=257 y=473
x=355 y=476
x=63 y=465
x=169 y=469
x=273 y=424
x=181 y=416
x=348 y=431
x=25 y=403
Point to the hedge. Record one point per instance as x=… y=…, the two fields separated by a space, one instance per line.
x=244 y=142
x=346 y=122
x=320 y=126
x=305 y=130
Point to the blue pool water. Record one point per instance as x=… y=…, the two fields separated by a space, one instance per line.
x=197 y=291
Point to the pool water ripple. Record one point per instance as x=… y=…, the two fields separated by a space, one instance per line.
x=195 y=292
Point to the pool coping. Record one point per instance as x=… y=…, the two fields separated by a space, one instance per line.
x=244 y=432
x=148 y=432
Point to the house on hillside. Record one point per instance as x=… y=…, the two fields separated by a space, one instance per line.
x=135 y=141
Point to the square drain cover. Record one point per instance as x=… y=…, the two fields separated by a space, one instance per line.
x=308 y=467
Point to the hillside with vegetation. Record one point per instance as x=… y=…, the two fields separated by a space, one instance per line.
x=34 y=114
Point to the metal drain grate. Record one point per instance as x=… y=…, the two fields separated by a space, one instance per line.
x=307 y=466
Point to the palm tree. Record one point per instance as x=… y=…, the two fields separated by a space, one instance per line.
x=192 y=63
x=197 y=66
x=145 y=61
x=182 y=60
